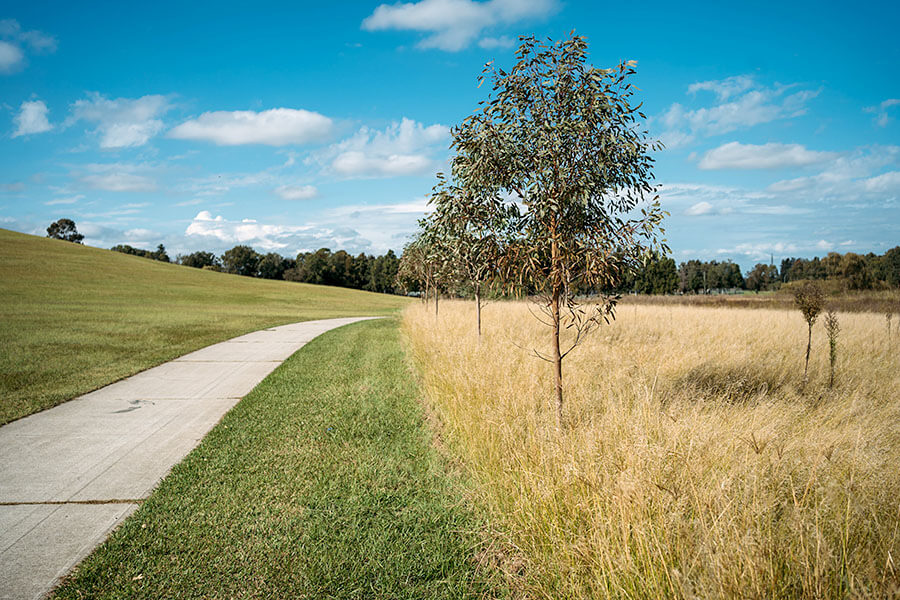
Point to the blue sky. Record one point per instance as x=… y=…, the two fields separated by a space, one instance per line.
x=292 y=126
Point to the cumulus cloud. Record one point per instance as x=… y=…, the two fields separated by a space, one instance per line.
x=123 y=122
x=741 y=103
x=286 y=239
x=403 y=148
x=274 y=127
x=32 y=118
x=296 y=192
x=454 y=24
x=12 y=41
x=735 y=155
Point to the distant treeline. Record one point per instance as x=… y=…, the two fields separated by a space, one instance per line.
x=848 y=271
x=363 y=271
x=661 y=275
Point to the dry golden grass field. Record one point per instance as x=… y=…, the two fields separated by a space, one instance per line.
x=693 y=463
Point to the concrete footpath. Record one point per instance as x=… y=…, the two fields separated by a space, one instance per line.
x=70 y=474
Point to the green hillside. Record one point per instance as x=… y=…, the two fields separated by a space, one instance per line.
x=75 y=318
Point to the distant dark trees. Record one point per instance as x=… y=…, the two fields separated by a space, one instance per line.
x=362 y=272
x=199 y=260
x=323 y=267
x=273 y=266
x=761 y=277
x=660 y=275
x=241 y=260
x=851 y=271
x=64 y=229
x=158 y=254
x=848 y=271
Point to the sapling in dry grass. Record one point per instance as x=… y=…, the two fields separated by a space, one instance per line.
x=809 y=299
x=888 y=316
x=566 y=140
x=832 y=328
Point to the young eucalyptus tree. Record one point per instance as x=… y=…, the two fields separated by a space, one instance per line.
x=809 y=300
x=566 y=138
x=473 y=227
x=413 y=268
x=438 y=269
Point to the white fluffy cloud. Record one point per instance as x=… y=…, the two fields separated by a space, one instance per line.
x=12 y=40
x=454 y=24
x=285 y=239
x=403 y=148
x=735 y=155
x=32 y=118
x=741 y=103
x=296 y=192
x=274 y=127
x=123 y=122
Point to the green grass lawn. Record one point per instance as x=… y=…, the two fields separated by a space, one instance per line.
x=75 y=318
x=322 y=483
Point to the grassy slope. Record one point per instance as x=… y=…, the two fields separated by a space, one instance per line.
x=321 y=483
x=75 y=318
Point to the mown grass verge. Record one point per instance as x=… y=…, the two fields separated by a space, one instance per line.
x=322 y=483
x=75 y=318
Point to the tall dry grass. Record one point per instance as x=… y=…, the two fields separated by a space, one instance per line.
x=692 y=464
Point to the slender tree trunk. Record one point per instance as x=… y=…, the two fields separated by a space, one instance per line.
x=554 y=302
x=478 y=307
x=831 y=356
x=808 y=347
x=557 y=358
x=437 y=296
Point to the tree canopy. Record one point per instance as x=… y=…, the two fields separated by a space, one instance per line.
x=565 y=139
x=64 y=229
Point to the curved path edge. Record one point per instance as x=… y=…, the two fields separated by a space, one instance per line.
x=70 y=474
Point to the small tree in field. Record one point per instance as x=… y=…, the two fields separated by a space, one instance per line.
x=473 y=228
x=809 y=299
x=411 y=273
x=64 y=229
x=832 y=328
x=565 y=137
x=424 y=261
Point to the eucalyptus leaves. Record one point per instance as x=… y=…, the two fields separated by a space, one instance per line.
x=551 y=189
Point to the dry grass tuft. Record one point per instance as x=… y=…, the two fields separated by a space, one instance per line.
x=692 y=464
